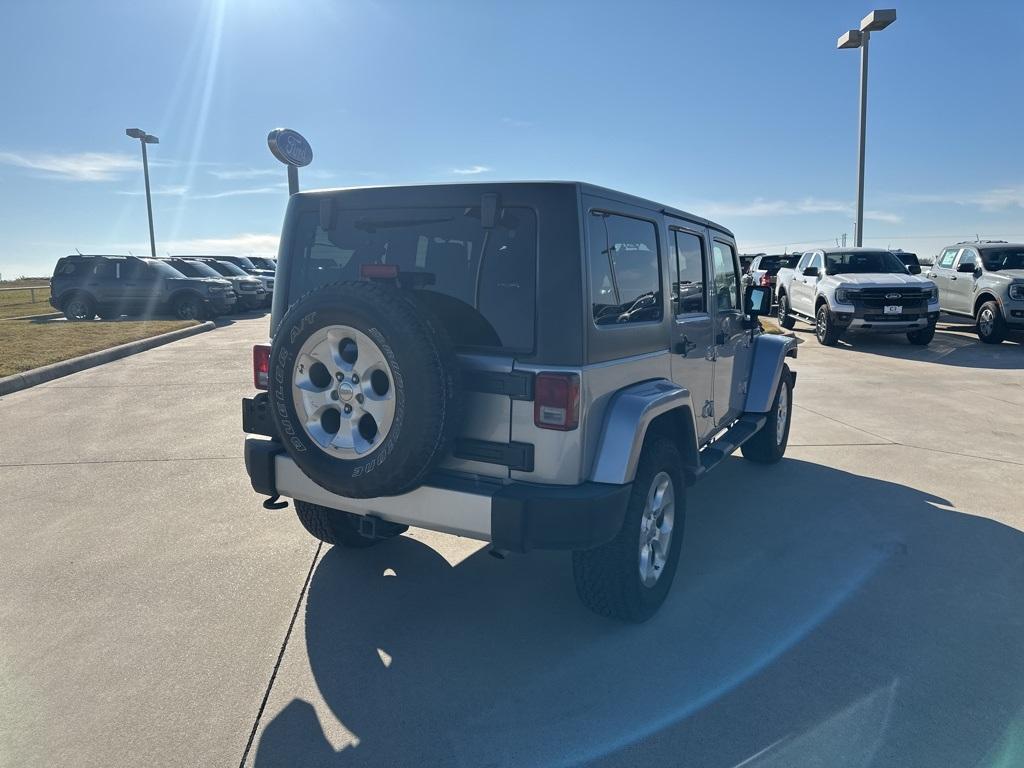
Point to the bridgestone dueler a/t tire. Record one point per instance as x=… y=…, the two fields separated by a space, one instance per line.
x=425 y=382
x=608 y=577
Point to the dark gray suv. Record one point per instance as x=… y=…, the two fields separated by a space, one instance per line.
x=535 y=365
x=110 y=286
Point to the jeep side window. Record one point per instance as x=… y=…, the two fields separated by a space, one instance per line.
x=947 y=258
x=727 y=294
x=688 y=268
x=625 y=278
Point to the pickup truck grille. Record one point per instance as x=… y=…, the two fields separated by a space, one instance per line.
x=912 y=300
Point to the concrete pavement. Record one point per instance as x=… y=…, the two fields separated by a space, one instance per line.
x=857 y=604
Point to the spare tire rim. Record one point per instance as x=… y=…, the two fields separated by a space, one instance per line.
x=656 y=524
x=344 y=392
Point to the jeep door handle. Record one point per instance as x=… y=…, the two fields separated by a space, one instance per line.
x=685 y=346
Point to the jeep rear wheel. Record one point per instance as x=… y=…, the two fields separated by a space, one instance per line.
x=364 y=389
x=629 y=577
x=332 y=526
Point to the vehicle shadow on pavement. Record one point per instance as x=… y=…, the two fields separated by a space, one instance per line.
x=949 y=347
x=818 y=618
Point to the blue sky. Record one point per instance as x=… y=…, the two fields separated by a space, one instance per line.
x=740 y=111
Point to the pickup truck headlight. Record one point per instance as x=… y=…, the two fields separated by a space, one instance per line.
x=1017 y=291
x=933 y=295
x=845 y=295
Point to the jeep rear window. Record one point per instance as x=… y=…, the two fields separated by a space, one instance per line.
x=479 y=281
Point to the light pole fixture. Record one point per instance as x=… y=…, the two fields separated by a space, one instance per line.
x=859 y=38
x=144 y=139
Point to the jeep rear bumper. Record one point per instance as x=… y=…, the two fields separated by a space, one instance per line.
x=516 y=517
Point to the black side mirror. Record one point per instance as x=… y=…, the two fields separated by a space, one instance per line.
x=914 y=269
x=810 y=271
x=969 y=267
x=758 y=301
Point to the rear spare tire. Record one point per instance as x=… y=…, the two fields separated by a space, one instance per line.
x=363 y=389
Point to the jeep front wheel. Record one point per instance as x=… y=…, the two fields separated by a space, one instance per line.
x=629 y=577
x=769 y=444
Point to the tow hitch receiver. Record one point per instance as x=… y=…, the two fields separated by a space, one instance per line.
x=372 y=527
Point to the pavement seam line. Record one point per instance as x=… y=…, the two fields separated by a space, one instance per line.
x=118 y=461
x=850 y=426
x=280 y=656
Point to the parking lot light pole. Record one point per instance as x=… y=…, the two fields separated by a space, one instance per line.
x=859 y=38
x=144 y=139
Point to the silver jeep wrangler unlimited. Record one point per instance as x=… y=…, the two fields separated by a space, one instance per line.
x=541 y=365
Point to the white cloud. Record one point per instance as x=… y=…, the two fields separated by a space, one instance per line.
x=516 y=123
x=808 y=205
x=235 y=174
x=276 y=189
x=245 y=244
x=990 y=200
x=169 y=190
x=79 y=166
x=472 y=170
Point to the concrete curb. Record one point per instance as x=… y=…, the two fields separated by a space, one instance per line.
x=47 y=316
x=26 y=379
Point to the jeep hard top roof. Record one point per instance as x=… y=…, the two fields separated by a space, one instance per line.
x=482 y=187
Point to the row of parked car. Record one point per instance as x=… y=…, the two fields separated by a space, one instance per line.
x=881 y=291
x=187 y=287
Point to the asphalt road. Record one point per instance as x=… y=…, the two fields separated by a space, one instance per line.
x=858 y=604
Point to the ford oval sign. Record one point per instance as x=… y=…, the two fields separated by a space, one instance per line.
x=290 y=147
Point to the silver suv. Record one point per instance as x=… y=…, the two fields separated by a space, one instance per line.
x=983 y=280
x=535 y=365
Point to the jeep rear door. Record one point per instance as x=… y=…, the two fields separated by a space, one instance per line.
x=692 y=343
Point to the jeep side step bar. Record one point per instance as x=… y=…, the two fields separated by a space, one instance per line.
x=741 y=431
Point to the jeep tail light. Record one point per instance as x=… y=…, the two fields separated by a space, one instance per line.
x=556 y=401
x=261 y=366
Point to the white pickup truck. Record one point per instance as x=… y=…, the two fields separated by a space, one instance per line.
x=863 y=289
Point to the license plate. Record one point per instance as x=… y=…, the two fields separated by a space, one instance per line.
x=893 y=309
